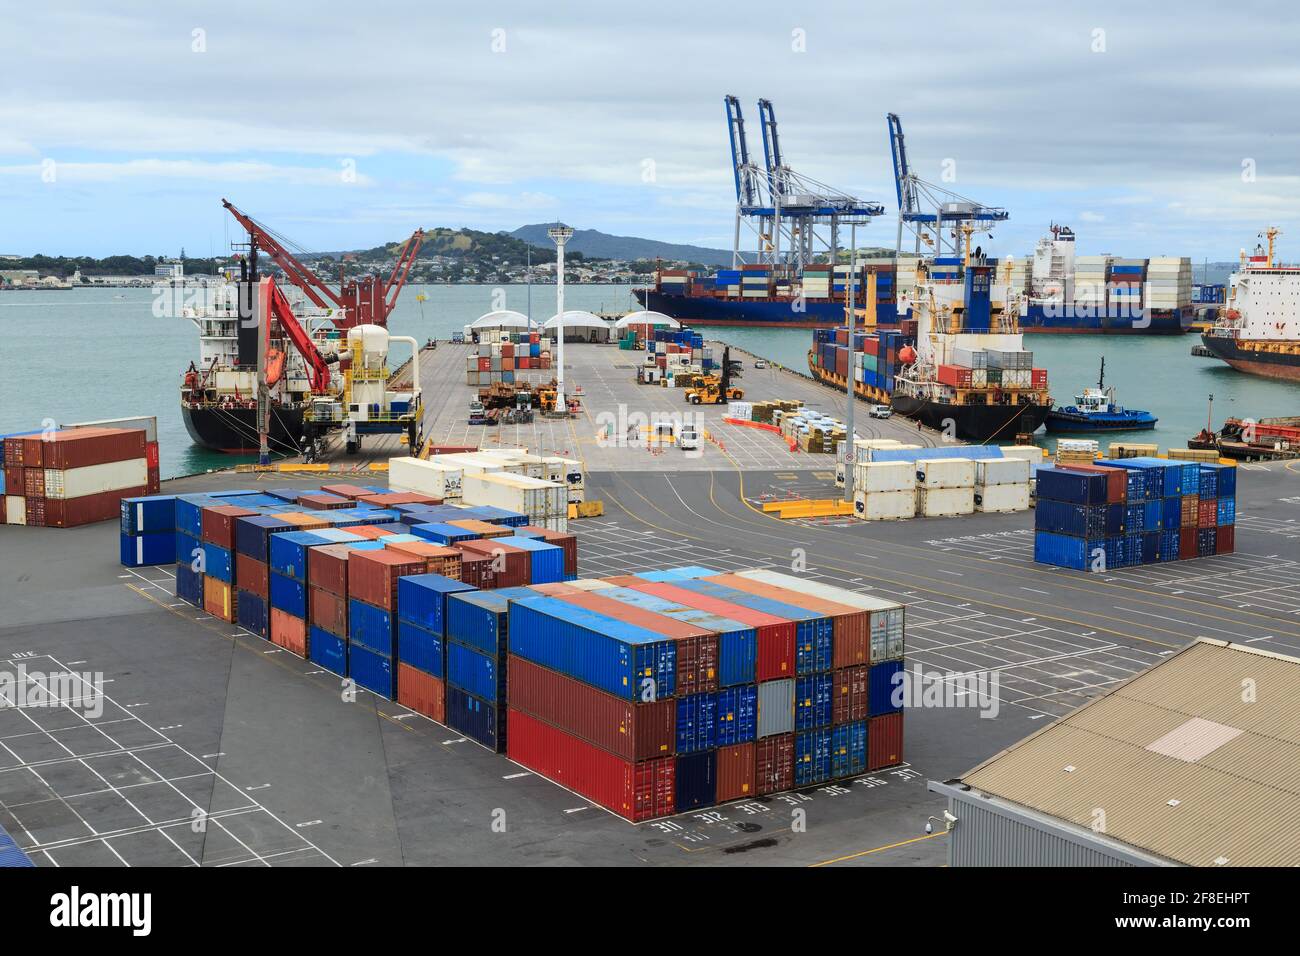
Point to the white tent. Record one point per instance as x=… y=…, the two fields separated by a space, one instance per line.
x=647 y=318
x=580 y=327
x=502 y=319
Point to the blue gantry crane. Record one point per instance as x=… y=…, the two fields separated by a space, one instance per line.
x=795 y=218
x=922 y=204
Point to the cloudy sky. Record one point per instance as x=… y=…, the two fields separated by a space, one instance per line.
x=1154 y=129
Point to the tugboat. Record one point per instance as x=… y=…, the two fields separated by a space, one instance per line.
x=1096 y=411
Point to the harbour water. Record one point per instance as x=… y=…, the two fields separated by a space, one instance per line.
x=101 y=353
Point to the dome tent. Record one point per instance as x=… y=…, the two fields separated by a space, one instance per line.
x=579 y=327
x=647 y=318
x=502 y=319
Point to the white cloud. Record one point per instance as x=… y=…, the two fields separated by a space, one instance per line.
x=1089 y=216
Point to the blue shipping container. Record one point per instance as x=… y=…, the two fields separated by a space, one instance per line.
x=329 y=651
x=812 y=757
x=477 y=673
x=622 y=659
x=546 y=561
x=1227 y=511
x=849 y=750
x=696 y=782
x=253 y=533
x=371 y=670
x=371 y=627
x=696 y=723
x=420 y=648
x=479 y=619
x=189 y=585
x=881 y=682
x=150 y=547
x=480 y=721
x=444 y=534
x=1080 y=488
x=217 y=563
x=288 y=595
x=736 y=716
x=251 y=612
x=288 y=552
x=813 y=695
x=151 y=513
x=422 y=599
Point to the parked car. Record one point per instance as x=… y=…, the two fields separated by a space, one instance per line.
x=881 y=411
x=759 y=363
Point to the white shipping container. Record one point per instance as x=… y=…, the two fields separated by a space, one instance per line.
x=425 y=477
x=937 y=502
x=827 y=592
x=1001 y=471
x=478 y=463
x=945 y=473
x=871 y=476
x=96 y=479
x=15 y=509
x=884 y=505
x=591 y=584
x=1002 y=497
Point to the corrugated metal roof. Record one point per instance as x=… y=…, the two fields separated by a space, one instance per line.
x=1196 y=760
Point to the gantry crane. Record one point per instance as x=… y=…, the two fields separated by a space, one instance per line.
x=922 y=204
x=785 y=208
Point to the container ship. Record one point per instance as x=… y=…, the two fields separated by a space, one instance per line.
x=1060 y=293
x=305 y=324
x=1258 y=332
x=958 y=364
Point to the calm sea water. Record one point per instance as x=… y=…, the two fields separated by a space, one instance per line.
x=88 y=354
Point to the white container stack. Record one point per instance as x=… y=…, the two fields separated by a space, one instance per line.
x=1090 y=274
x=434 y=478
x=945 y=486
x=1002 y=484
x=1169 y=283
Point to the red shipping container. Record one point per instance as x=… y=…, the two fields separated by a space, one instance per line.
x=371 y=531
x=485 y=364
x=252 y=575
x=735 y=772
x=289 y=632
x=153 y=483
x=437 y=558
x=14 y=479
x=774 y=764
x=1190 y=511
x=954 y=375
x=218 y=524
x=1038 y=378
x=1207 y=512
x=1224 y=539
x=885 y=741
x=775 y=657
x=71 y=512
x=697 y=648
x=151 y=454
x=323 y=501
x=482 y=528
x=851 y=626
x=870 y=346
x=423 y=693
x=328 y=611
x=849 y=702
x=33 y=483
x=372 y=575
x=35 y=508
x=1186 y=543
x=218 y=599
x=327 y=568
x=79 y=447
x=13 y=449
x=350 y=492
x=634 y=791
x=476 y=571
x=511 y=566
x=842 y=362
x=635 y=732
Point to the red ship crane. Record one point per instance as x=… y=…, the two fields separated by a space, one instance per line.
x=364 y=301
x=272 y=302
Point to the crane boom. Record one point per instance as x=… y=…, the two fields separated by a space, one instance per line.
x=321 y=295
x=401 y=269
x=745 y=192
x=771 y=148
x=272 y=303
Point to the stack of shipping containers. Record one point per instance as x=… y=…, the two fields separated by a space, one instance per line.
x=1126 y=512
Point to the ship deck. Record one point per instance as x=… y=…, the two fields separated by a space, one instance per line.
x=204 y=721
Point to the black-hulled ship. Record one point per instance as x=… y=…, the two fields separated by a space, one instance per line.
x=961 y=368
x=1259 y=330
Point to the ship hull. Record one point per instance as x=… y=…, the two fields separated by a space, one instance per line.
x=1048 y=319
x=771 y=313
x=1059 y=423
x=973 y=423
x=1265 y=364
x=234 y=430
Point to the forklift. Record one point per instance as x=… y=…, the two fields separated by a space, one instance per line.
x=716 y=389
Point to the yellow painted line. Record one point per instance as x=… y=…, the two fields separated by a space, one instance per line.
x=880 y=849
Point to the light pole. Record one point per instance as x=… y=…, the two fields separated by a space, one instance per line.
x=850 y=453
x=559 y=235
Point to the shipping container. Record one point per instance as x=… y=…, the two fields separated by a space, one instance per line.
x=371 y=627
x=882 y=681
x=511 y=564
x=74 y=512
x=80 y=447
x=546 y=561
x=154 y=513
x=480 y=619
x=251 y=613
x=735 y=772
x=775 y=707
x=288 y=631
x=327 y=611
x=697 y=783
x=253 y=534
x=437 y=558
x=616 y=657
x=328 y=651
x=288 y=595
x=218 y=562
x=147 y=548
x=189 y=585
x=849 y=695
x=812 y=757
x=849 y=750
x=252 y=575
x=635 y=791
x=373 y=575
x=813 y=696
x=288 y=552
x=774 y=764
x=421 y=692
x=885 y=741
x=482 y=675
x=696 y=723
x=422 y=600
x=483 y=722
x=218 y=524
x=217 y=599
x=736 y=714
x=371 y=670
x=420 y=648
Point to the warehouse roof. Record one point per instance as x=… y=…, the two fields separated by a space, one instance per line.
x=1196 y=760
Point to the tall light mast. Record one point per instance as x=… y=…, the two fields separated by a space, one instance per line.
x=559 y=235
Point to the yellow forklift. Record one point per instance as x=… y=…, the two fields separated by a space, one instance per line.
x=715 y=389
